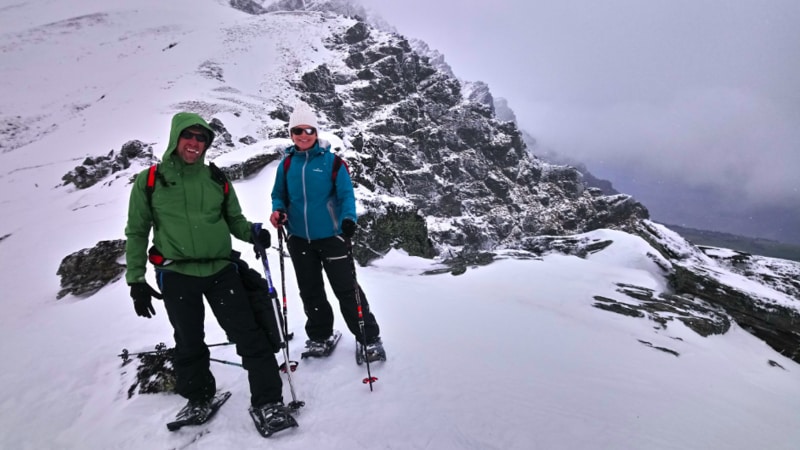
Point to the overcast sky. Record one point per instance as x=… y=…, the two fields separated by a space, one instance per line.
x=702 y=91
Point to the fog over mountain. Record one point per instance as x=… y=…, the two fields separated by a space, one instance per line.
x=691 y=107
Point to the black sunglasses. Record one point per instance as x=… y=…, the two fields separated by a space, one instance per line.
x=297 y=131
x=199 y=137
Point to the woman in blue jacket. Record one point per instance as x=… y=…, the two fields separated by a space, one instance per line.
x=313 y=199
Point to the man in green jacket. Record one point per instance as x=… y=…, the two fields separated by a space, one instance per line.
x=192 y=223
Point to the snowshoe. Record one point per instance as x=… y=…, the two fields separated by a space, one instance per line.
x=321 y=349
x=375 y=352
x=271 y=418
x=198 y=412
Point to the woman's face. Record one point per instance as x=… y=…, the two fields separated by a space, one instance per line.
x=304 y=137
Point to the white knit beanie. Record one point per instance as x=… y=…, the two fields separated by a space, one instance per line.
x=302 y=115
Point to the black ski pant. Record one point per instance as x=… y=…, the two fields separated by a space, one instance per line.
x=183 y=299
x=331 y=254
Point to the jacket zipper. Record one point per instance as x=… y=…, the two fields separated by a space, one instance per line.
x=305 y=198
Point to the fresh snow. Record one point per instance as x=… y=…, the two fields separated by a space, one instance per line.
x=507 y=356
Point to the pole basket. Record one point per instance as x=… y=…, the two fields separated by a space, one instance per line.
x=296 y=405
x=292 y=366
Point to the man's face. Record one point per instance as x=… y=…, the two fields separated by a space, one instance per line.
x=192 y=143
x=303 y=136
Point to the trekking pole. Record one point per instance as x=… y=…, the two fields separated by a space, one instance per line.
x=281 y=237
x=262 y=253
x=370 y=379
x=160 y=348
x=292 y=364
x=222 y=361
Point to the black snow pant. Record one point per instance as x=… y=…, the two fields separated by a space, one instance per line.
x=183 y=299
x=309 y=258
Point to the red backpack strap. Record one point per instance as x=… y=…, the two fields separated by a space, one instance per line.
x=152 y=173
x=337 y=163
x=287 y=161
x=151 y=177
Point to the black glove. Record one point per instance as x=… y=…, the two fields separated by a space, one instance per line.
x=141 y=294
x=262 y=237
x=348 y=228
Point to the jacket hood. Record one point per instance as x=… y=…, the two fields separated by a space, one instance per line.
x=180 y=122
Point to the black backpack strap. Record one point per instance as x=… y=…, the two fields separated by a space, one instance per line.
x=219 y=176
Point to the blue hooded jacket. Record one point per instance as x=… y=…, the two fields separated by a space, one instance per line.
x=314 y=205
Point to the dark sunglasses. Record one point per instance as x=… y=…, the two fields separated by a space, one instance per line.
x=297 y=131
x=199 y=137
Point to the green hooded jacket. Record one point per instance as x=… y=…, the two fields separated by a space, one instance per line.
x=188 y=223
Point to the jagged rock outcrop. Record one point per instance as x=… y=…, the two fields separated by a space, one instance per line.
x=343 y=7
x=248 y=6
x=95 y=169
x=86 y=271
x=662 y=308
x=396 y=227
x=773 y=318
x=439 y=147
x=249 y=167
x=222 y=135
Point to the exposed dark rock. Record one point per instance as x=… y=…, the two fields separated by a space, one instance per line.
x=614 y=306
x=249 y=167
x=95 y=169
x=395 y=227
x=356 y=33
x=567 y=245
x=696 y=314
x=342 y=7
x=775 y=324
x=155 y=373
x=223 y=137
x=248 y=6
x=319 y=81
x=459 y=264
x=86 y=271
x=694 y=276
x=663 y=349
x=248 y=140
x=439 y=146
x=774 y=364
x=281 y=113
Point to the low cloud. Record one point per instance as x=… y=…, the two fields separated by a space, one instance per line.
x=728 y=140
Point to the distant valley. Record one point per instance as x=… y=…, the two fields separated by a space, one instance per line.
x=756 y=246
